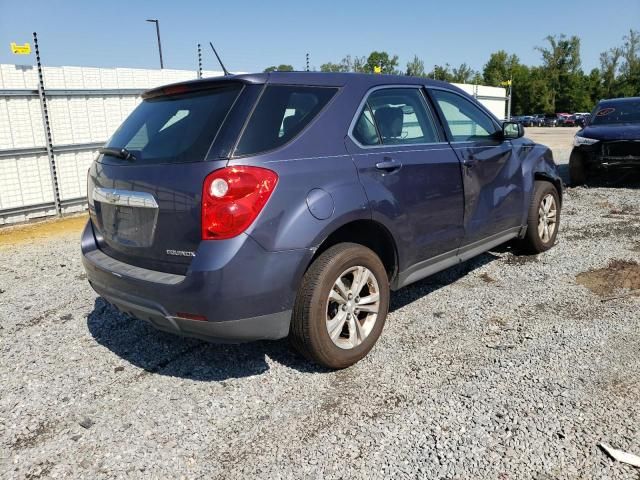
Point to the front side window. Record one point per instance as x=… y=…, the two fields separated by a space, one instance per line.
x=395 y=116
x=282 y=112
x=465 y=121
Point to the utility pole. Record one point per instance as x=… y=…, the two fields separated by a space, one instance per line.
x=199 y=61
x=509 y=98
x=307 y=62
x=155 y=20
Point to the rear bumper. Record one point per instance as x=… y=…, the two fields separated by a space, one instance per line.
x=264 y=327
x=245 y=292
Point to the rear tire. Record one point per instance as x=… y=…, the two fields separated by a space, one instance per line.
x=543 y=220
x=346 y=280
x=578 y=172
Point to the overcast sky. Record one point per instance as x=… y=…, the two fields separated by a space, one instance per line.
x=251 y=35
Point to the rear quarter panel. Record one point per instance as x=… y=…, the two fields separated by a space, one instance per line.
x=315 y=159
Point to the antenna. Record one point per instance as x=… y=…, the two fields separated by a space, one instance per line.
x=226 y=72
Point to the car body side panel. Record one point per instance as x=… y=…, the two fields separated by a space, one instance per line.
x=493 y=189
x=316 y=159
x=287 y=221
x=421 y=204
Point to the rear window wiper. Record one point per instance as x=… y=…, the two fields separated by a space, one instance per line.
x=122 y=153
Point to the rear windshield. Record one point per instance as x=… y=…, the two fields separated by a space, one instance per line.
x=177 y=128
x=617 y=113
x=282 y=112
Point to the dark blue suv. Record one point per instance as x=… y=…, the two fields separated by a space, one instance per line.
x=290 y=204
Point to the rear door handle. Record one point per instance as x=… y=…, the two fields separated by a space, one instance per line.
x=470 y=162
x=388 y=165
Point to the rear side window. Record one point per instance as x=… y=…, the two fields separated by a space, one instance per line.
x=282 y=112
x=465 y=121
x=395 y=116
x=177 y=128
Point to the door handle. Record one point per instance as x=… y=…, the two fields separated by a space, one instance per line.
x=388 y=164
x=470 y=162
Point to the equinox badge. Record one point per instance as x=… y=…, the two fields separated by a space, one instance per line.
x=181 y=253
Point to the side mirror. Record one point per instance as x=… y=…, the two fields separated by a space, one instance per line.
x=512 y=130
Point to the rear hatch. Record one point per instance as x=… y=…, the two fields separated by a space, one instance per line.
x=145 y=188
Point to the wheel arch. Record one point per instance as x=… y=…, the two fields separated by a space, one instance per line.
x=555 y=181
x=368 y=233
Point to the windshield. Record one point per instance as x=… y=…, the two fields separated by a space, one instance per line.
x=617 y=113
x=176 y=128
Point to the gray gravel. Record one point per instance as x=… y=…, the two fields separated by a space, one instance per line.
x=502 y=368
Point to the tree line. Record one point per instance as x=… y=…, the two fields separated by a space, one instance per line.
x=558 y=84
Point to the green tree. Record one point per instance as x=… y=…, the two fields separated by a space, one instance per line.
x=442 y=73
x=387 y=63
x=347 y=64
x=561 y=62
x=609 y=68
x=463 y=74
x=415 y=67
x=333 y=67
x=499 y=68
x=280 y=68
x=594 y=87
x=630 y=69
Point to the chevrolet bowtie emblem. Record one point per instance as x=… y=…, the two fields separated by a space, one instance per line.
x=113 y=197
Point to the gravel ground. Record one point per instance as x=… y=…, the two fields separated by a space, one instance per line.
x=506 y=367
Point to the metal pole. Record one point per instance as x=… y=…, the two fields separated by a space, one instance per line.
x=307 y=62
x=47 y=130
x=154 y=20
x=199 y=61
x=509 y=100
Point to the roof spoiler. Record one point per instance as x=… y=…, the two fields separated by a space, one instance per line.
x=189 y=87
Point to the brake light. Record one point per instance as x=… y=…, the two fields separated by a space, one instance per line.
x=232 y=198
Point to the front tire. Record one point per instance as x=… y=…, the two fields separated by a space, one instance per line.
x=578 y=172
x=341 y=306
x=543 y=219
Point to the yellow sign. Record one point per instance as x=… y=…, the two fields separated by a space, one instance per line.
x=506 y=84
x=377 y=69
x=20 y=49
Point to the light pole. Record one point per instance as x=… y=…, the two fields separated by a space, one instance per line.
x=155 y=20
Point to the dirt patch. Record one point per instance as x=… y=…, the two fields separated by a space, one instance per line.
x=45 y=230
x=619 y=274
x=486 y=278
x=33 y=437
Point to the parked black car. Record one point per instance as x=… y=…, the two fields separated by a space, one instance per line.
x=611 y=139
x=527 y=121
x=538 y=120
x=551 y=120
x=582 y=120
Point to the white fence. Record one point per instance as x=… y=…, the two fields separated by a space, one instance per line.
x=84 y=107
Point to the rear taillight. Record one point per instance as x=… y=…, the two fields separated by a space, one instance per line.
x=232 y=198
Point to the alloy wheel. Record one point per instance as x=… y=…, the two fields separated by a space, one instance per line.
x=352 y=307
x=547 y=215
